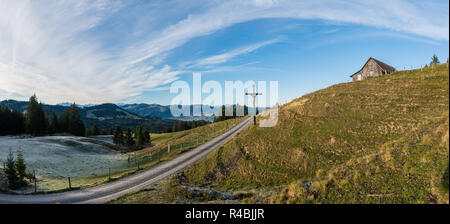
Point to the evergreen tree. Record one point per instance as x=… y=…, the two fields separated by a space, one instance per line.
x=10 y=171
x=63 y=121
x=147 y=137
x=76 y=125
x=245 y=110
x=138 y=136
x=194 y=124
x=44 y=122
x=53 y=126
x=35 y=117
x=118 y=136
x=174 y=127
x=167 y=129
x=180 y=126
x=95 y=130
x=129 y=138
x=20 y=165
x=434 y=60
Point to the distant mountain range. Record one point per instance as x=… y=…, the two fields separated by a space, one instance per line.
x=149 y=110
x=105 y=116
x=67 y=104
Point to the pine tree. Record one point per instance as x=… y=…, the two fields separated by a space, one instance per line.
x=167 y=129
x=35 y=117
x=138 y=136
x=95 y=130
x=63 y=121
x=174 y=127
x=129 y=138
x=53 y=126
x=434 y=60
x=20 y=165
x=76 y=125
x=147 y=137
x=118 y=136
x=10 y=171
x=245 y=110
x=180 y=126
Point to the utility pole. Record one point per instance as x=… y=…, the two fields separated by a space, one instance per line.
x=254 y=94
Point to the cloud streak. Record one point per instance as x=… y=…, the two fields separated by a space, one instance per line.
x=108 y=51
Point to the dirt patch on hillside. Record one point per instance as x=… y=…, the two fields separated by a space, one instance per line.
x=222 y=170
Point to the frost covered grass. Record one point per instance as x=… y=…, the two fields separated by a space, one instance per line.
x=55 y=158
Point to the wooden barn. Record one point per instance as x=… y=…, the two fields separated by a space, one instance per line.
x=373 y=68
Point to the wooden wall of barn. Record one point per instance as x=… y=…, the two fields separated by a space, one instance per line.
x=370 y=70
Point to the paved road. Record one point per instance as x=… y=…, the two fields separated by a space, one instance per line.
x=107 y=192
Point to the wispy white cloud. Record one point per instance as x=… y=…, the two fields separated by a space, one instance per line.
x=225 y=57
x=70 y=50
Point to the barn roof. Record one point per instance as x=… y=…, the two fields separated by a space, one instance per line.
x=382 y=65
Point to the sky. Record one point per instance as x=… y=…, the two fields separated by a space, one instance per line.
x=102 y=51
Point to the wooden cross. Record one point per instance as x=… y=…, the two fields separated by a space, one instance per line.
x=254 y=94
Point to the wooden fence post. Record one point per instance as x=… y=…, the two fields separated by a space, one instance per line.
x=34 y=175
x=168 y=148
x=70 y=184
x=109 y=173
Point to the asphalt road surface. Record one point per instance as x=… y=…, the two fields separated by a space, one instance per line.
x=109 y=191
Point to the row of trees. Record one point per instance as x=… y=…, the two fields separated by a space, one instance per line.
x=69 y=121
x=139 y=138
x=36 y=122
x=12 y=122
x=185 y=125
x=96 y=131
x=223 y=117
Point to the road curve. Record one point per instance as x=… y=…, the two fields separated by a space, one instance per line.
x=109 y=191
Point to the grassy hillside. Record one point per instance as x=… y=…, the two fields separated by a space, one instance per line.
x=381 y=140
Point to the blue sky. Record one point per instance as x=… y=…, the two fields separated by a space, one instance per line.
x=131 y=51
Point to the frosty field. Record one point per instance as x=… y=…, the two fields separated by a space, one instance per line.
x=59 y=157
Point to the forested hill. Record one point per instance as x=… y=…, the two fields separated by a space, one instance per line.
x=105 y=116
